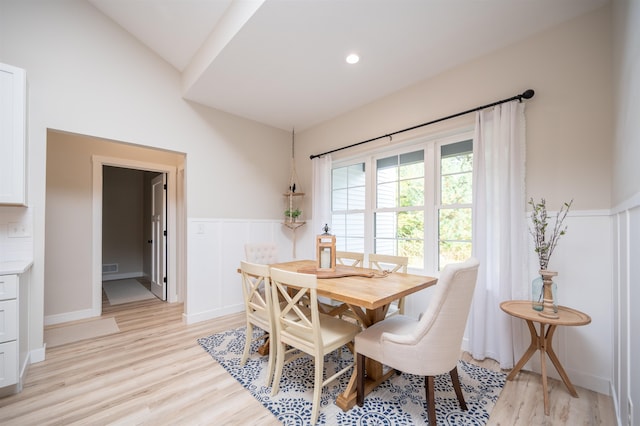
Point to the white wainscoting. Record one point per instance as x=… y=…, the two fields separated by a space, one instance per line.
x=625 y=335
x=215 y=249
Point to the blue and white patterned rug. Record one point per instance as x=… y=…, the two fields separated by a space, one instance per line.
x=398 y=401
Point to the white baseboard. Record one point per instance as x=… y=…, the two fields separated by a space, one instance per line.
x=70 y=316
x=211 y=314
x=122 y=276
x=37 y=355
x=578 y=378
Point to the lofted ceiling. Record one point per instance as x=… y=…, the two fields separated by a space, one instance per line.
x=282 y=62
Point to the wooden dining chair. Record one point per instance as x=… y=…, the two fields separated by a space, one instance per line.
x=349 y=258
x=428 y=346
x=332 y=307
x=305 y=330
x=256 y=291
x=389 y=263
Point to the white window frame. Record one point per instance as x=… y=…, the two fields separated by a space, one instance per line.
x=431 y=146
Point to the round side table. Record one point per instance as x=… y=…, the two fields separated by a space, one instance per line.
x=542 y=341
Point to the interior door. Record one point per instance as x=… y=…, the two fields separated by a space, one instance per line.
x=159 y=236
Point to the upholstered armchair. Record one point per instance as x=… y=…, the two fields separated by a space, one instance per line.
x=428 y=346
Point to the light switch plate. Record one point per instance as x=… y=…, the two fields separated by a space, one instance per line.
x=18 y=230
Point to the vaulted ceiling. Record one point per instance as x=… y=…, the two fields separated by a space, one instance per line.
x=282 y=62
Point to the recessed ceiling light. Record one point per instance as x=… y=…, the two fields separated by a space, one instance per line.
x=353 y=59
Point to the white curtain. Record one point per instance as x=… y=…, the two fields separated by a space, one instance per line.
x=321 y=174
x=499 y=229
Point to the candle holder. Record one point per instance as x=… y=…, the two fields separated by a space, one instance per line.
x=549 y=302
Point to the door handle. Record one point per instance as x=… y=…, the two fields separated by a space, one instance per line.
x=150 y=241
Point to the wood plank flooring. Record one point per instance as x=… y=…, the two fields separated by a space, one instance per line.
x=154 y=373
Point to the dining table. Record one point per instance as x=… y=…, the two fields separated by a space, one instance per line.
x=368 y=293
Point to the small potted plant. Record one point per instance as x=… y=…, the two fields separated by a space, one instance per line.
x=292 y=214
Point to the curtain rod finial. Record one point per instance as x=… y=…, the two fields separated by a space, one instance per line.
x=528 y=94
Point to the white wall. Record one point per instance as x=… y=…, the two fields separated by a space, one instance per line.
x=14 y=247
x=626 y=201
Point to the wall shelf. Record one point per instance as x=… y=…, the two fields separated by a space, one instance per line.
x=293 y=200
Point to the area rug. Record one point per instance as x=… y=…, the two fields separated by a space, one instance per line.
x=64 y=334
x=398 y=401
x=125 y=291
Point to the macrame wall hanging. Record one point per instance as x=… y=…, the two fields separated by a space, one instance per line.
x=293 y=213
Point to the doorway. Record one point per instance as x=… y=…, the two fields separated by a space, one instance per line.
x=134 y=240
x=169 y=264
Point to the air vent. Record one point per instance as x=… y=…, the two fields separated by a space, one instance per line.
x=109 y=268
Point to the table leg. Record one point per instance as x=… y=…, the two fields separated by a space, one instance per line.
x=375 y=376
x=543 y=341
x=375 y=373
x=533 y=346
x=543 y=367
x=556 y=362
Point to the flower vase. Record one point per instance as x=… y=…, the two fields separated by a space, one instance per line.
x=537 y=294
x=549 y=299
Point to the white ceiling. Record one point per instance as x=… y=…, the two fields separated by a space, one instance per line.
x=282 y=62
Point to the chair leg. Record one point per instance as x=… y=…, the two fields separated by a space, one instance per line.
x=272 y=359
x=361 y=359
x=280 y=352
x=247 y=343
x=317 y=388
x=456 y=386
x=431 y=400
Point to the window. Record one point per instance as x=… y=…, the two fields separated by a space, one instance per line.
x=399 y=212
x=348 y=191
x=454 y=212
x=413 y=202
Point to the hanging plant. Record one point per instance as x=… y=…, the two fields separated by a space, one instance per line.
x=292 y=213
x=545 y=244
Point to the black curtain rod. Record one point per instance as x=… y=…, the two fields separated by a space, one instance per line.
x=527 y=94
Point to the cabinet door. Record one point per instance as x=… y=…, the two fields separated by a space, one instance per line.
x=8 y=320
x=8 y=364
x=8 y=287
x=12 y=135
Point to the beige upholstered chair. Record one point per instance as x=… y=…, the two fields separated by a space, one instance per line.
x=263 y=253
x=305 y=330
x=429 y=346
x=385 y=262
x=256 y=289
x=349 y=258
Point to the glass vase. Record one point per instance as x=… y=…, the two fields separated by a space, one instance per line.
x=537 y=291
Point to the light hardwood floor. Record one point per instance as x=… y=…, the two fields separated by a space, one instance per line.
x=154 y=372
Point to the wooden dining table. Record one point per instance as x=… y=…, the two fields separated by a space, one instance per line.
x=368 y=293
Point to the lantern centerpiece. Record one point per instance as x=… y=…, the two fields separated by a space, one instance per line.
x=326 y=251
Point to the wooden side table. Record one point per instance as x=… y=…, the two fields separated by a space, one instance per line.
x=542 y=341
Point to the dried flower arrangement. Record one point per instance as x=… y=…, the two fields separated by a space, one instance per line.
x=539 y=220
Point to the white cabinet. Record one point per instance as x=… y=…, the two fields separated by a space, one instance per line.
x=14 y=353
x=13 y=142
x=8 y=330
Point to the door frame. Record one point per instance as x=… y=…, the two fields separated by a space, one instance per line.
x=159 y=238
x=174 y=204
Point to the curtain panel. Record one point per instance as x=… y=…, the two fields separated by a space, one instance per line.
x=499 y=229
x=321 y=204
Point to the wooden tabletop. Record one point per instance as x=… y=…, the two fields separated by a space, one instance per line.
x=366 y=292
x=566 y=316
